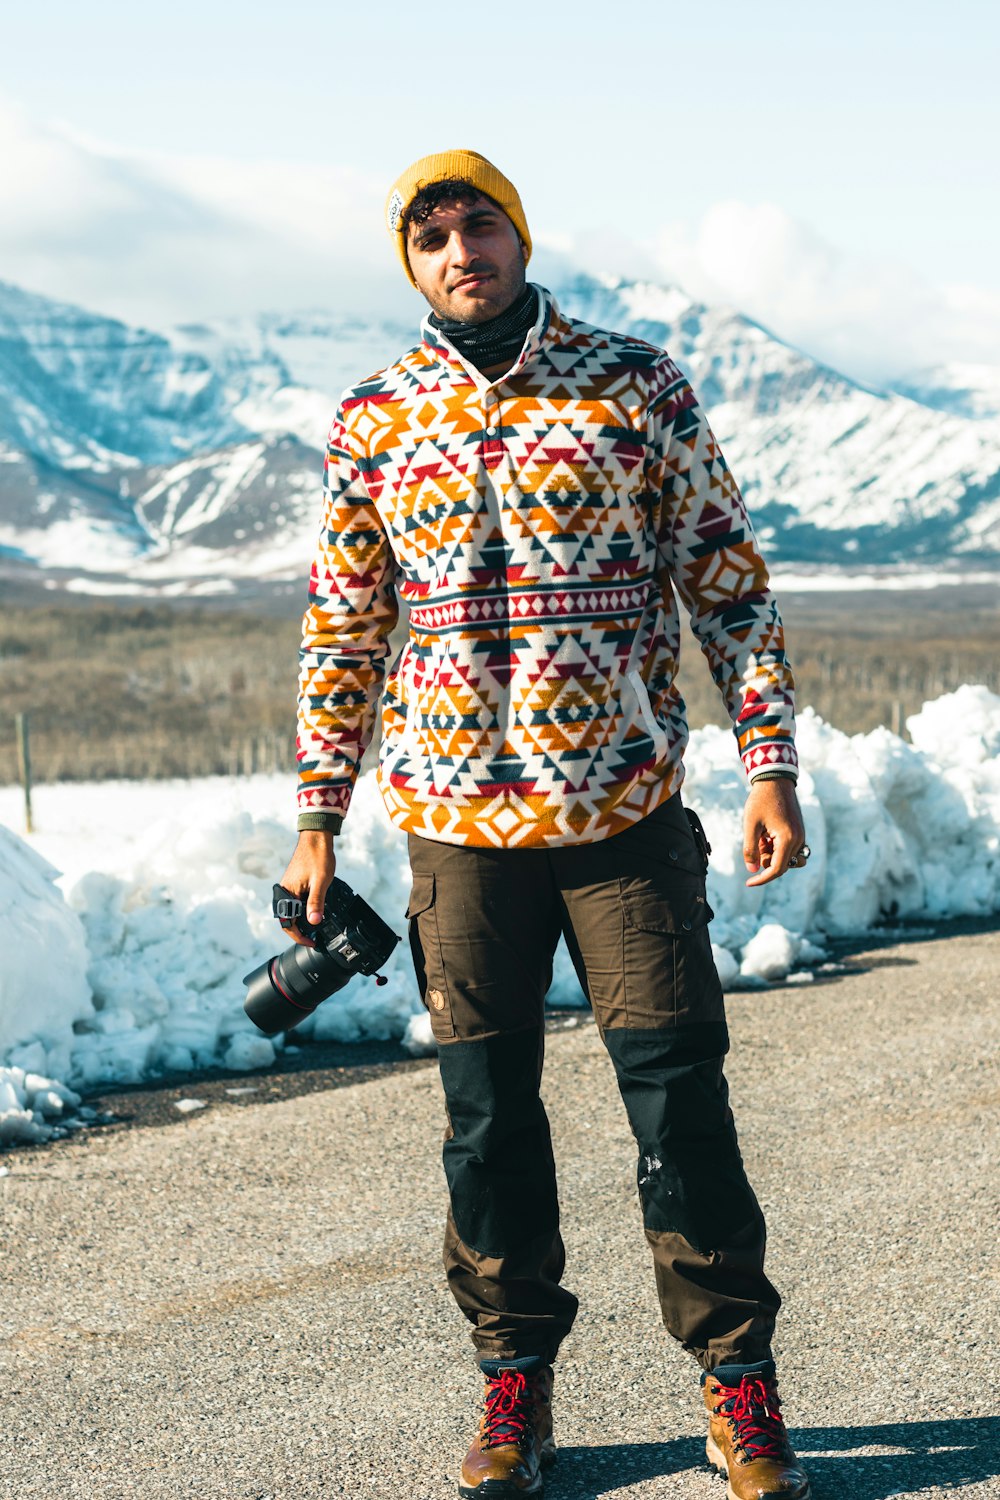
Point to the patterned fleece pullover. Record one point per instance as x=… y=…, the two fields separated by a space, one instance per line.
x=539 y=526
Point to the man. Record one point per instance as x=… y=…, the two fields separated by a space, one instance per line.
x=536 y=490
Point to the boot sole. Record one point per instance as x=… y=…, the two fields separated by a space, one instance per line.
x=502 y=1489
x=498 y=1488
x=717 y=1459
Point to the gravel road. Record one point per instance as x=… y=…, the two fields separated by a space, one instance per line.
x=244 y=1302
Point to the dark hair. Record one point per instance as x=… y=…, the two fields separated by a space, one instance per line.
x=448 y=190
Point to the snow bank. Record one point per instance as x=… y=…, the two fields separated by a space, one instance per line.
x=169 y=888
x=43 y=989
x=141 y=969
x=896 y=830
x=43 y=993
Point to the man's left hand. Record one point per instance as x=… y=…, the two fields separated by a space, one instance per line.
x=773 y=831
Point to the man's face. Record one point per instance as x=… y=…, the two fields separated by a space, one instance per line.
x=467 y=260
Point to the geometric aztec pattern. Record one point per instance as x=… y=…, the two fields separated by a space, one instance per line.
x=540 y=528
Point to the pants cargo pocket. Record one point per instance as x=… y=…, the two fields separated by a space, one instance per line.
x=670 y=975
x=425 y=945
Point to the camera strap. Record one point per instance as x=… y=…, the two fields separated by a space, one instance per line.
x=286 y=907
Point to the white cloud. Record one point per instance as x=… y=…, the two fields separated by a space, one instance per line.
x=158 y=240
x=870 y=317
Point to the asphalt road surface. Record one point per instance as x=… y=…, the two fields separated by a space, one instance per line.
x=245 y=1302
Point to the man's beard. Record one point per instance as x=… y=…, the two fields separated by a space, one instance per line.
x=480 y=309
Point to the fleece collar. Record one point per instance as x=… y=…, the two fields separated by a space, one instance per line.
x=546 y=329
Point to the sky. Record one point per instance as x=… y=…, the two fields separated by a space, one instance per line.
x=829 y=170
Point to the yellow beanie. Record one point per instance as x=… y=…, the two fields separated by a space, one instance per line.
x=469 y=164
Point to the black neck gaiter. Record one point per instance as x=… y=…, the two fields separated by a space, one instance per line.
x=502 y=337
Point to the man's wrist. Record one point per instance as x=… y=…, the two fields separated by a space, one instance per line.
x=319 y=822
x=775 y=774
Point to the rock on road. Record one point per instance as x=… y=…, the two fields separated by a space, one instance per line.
x=247 y=1304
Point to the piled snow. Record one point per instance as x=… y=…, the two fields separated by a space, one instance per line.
x=169 y=890
x=42 y=985
x=43 y=991
x=896 y=830
x=31 y=1106
x=142 y=971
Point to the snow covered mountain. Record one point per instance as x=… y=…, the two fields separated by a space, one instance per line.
x=967 y=390
x=137 y=461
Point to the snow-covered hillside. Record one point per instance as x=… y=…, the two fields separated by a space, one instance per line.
x=169 y=888
x=194 y=459
x=833 y=472
x=966 y=390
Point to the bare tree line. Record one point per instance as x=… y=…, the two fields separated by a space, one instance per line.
x=157 y=692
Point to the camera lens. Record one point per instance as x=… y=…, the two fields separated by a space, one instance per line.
x=286 y=989
x=351 y=939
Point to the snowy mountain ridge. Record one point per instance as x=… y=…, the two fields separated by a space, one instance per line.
x=133 y=460
x=967 y=390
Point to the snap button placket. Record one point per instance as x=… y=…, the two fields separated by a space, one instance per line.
x=492 y=445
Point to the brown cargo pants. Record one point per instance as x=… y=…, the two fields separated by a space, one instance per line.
x=484 y=925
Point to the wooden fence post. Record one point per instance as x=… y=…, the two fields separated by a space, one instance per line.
x=24 y=766
x=898 y=718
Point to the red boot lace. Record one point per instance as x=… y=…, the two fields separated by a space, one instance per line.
x=754 y=1409
x=510 y=1409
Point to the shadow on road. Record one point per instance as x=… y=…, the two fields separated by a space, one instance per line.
x=914 y=1456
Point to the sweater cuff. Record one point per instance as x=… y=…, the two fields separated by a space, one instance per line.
x=321 y=822
x=785 y=774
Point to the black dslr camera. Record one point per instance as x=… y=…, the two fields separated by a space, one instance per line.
x=351 y=939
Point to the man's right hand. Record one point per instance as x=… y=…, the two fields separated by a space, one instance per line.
x=308 y=876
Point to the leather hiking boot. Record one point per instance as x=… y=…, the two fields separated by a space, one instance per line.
x=747 y=1441
x=515 y=1431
